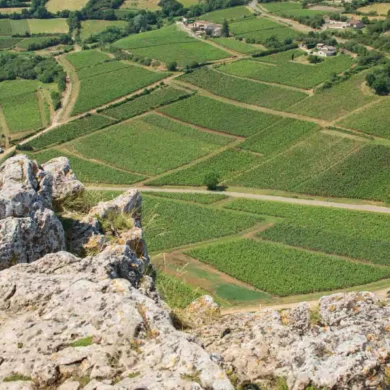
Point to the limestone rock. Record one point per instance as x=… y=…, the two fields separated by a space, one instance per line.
x=28 y=227
x=65 y=184
x=66 y=318
x=203 y=310
x=348 y=349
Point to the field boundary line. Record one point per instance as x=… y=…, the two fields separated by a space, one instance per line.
x=4 y=127
x=273 y=198
x=40 y=98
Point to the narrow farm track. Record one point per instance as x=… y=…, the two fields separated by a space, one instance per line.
x=305 y=202
x=4 y=127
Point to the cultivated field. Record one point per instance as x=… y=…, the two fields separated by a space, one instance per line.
x=150 y=5
x=33 y=26
x=171 y=45
x=90 y=27
x=229 y=14
x=291 y=9
x=236 y=45
x=379 y=8
x=55 y=6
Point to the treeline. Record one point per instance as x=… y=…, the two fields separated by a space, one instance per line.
x=62 y=39
x=13 y=3
x=37 y=10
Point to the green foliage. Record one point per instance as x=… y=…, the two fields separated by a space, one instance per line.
x=211 y=180
x=228 y=164
x=280 y=136
x=216 y=115
x=189 y=197
x=90 y=171
x=354 y=234
x=290 y=73
x=363 y=175
x=168 y=45
x=176 y=293
x=242 y=90
x=16 y=378
x=8 y=43
x=145 y=102
x=236 y=45
x=104 y=88
x=85 y=342
x=170 y=224
x=229 y=14
x=70 y=131
x=115 y=222
x=172 y=66
x=302 y=162
x=285 y=271
x=170 y=145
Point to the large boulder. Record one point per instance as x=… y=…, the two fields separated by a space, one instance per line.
x=28 y=227
x=343 y=344
x=65 y=184
x=66 y=321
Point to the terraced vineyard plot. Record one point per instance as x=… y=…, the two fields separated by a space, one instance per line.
x=227 y=164
x=150 y=145
x=55 y=6
x=261 y=29
x=70 y=131
x=242 y=90
x=169 y=44
x=354 y=234
x=5 y=28
x=90 y=27
x=291 y=9
x=279 y=136
x=90 y=171
x=99 y=69
x=25 y=43
x=286 y=271
x=171 y=224
x=8 y=43
x=188 y=197
x=215 y=115
x=337 y=101
x=373 y=120
x=155 y=99
x=98 y=90
x=230 y=14
x=236 y=45
x=281 y=58
x=303 y=162
x=364 y=175
x=87 y=58
x=21 y=27
x=289 y=73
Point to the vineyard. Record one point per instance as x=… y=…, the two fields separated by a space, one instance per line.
x=229 y=14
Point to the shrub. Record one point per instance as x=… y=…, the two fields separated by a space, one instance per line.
x=172 y=66
x=211 y=181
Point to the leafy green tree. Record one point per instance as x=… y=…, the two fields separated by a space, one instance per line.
x=225 y=28
x=172 y=66
x=211 y=181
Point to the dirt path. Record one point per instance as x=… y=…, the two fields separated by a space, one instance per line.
x=297 y=201
x=5 y=128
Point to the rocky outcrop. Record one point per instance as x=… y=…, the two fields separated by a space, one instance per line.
x=345 y=344
x=28 y=227
x=70 y=321
x=65 y=184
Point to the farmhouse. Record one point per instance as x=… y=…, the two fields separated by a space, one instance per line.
x=357 y=24
x=325 y=50
x=204 y=27
x=337 y=25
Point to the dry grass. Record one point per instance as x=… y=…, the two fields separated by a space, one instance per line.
x=150 y=5
x=380 y=8
x=60 y=5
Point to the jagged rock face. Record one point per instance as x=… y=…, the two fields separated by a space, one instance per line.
x=67 y=318
x=65 y=184
x=28 y=227
x=349 y=349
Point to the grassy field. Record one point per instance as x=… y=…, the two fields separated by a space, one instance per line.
x=229 y=14
x=8 y=43
x=7 y=11
x=169 y=44
x=139 y=105
x=87 y=58
x=291 y=9
x=22 y=27
x=302 y=162
x=290 y=73
x=215 y=115
x=364 y=175
x=55 y=6
x=227 y=164
x=286 y=271
x=372 y=120
x=333 y=103
x=70 y=131
x=150 y=5
x=90 y=171
x=260 y=29
x=5 y=28
x=380 y=8
x=236 y=45
x=279 y=137
x=348 y=233
x=103 y=88
x=170 y=224
x=48 y=26
x=243 y=90
x=90 y=27
x=100 y=69
x=169 y=145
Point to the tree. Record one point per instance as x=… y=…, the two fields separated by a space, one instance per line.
x=225 y=28
x=211 y=181
x=172 y=66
